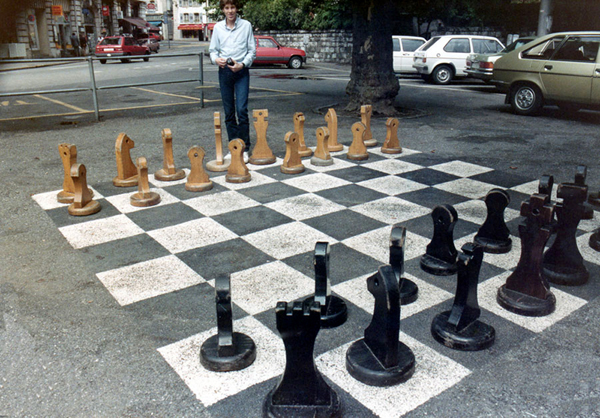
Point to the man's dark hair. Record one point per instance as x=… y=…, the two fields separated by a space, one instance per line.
x=223 y=3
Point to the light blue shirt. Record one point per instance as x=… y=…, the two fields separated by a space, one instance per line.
x=237 y=43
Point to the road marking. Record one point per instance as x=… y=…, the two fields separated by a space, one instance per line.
x=78 y=109
x=23 y=102
x=5 y=103
x=166 y=94
x=457 y=88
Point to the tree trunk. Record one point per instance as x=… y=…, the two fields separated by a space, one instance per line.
x=372 y=79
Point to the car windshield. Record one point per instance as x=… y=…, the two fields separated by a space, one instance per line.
x=429 y=43
x=111 y=41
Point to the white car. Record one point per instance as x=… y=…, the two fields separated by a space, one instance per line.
x=443 y=58
x=404 y=48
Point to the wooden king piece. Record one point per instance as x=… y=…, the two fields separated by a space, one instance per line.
x=261 y=154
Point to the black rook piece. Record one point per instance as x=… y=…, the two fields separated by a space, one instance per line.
x=301 y=391
x=526 y=291
x=227 y=350
x=563 y=263
x=333 y=308
x=459 y=328
x=440 y=257
x=494 y=235
x=408 y=289
x=379 y=359
x=580 y=175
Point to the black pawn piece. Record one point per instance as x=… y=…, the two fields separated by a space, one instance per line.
x=333 y=308
x=580 y=175
x=526 y=291
x=459 y=328
x=563 y=263
x=595 y=240
x=379 y=359
x=408 y=289
x=227 y=350
x=301 y=391
x=494 y=235
x=440 y=257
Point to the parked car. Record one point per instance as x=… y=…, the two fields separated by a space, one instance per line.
x=443 y=58
x=151 y=43
x=120 y=46
x=481 y=66
x=560 y=68
x=269 y=51
x=403 y=52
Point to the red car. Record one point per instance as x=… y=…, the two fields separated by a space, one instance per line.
x=269 y=51
x=120 y=46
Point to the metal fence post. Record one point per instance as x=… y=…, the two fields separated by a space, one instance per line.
x=93 y=83
x=201 y=79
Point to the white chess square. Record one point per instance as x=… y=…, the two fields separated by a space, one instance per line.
x=47 y=200
x=461 y=168
x=100 y=231
x=219 y=203
x=590 y=225
x=392 y=166
x=257 y=179
x=587 y=252
x=533 y=187
x=392 y=185
x=148 y=279
x=405 y=152
x=316 y=182
x=376 y=244
x=304 y=206
x=160 y=183
x=338 y=164
x=391 y=210
x=506 y=261
x=476 y=211
x=123 y=201
x=470 y=188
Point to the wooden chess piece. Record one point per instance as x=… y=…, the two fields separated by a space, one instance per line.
x=219 y=164
x=237 y=171
x=127 y=174
x=303 y=150
x=365 y=117
x=198 y=180
x=332 y=125
x=391 y=145
x=144 y=197
x=83 y=204
x=292 y=163
x=168 y=172
x=68 y=155
x=261 y=154
x=358 y=150
x=322 y=156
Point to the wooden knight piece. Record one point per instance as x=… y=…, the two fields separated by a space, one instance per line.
x=198 y=180
x=303 y=150
x=144 y=197
x=322 y=156
x=237 y=171
x=83 y=204
x=68 y=155
x=391 y=144
x=261 y=154
x=168 y=172
x=127 y=175
x=219 y=164
x=365 y=117
x=358 y=150
x=332 y=125
x=292 y=164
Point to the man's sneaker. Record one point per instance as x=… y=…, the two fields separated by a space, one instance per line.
x=245 y=157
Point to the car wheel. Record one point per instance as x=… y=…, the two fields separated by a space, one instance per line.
x=102 y=61
x=295 y=63
x=526 y=99
x=442 y=74
x=146 y=59
x=125 y=60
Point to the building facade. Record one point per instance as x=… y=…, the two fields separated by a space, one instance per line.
x=190 y=20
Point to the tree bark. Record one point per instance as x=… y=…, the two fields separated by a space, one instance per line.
x=372 y=79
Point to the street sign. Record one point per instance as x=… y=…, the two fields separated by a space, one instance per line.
x=57 y=10
x=105 y=11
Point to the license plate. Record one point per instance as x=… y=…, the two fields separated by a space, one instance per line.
x=109 y=49
x=475 y=65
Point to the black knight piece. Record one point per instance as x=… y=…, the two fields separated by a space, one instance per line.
x=408 y=289
x=440 y=257
x=459 y=328
x=380 y=359
x=227 y=350
x=494 y=236
x=301 y=391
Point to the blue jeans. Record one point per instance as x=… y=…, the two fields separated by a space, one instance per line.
x=234 y=93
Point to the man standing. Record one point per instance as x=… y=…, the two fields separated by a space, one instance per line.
x=233 y=49
x=75 y=44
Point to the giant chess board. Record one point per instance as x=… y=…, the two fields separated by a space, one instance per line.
x=162 y=261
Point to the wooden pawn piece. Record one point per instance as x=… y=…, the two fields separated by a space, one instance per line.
x=292 y=163
x=127 y=175
x=261 y=154
x=391 y=144
x=303 y=150
x=365 y=117
x=237 y=171
x=144 y=197
x=219 y=164
x=322 y=156
x=68 y=155
x=358 y=150
x=83 y=204
x=332 y=125
x=197 y=180
x=168 y=172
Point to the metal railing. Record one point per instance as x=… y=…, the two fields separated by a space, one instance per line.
x=94 y=87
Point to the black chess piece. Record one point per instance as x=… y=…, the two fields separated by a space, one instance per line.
x=333 y=308
x=227 y=350
x=595 y=240
x=408 y=289
x=546 y=184
x=380 y=359
x=301 y=391
x=526 y=291
x=440 y=257
x=562 y=262
x=580 y=176
x=494 y=235
x=459 y=328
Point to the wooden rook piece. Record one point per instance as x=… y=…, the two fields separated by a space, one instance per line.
x=365 y=117
x=595 y=240
x=332 y=125
x=526 y=292
x=144 y=197
x=83 y=204
x=127 y=174
x=391 y=145
x=301 y=391
x=226 y=351
x=303 y=150
x=408 y=289
x=261 y=154
x=292 y=163
x=322 y=156
x=168 y=172
x=494 y=235
x=440 y=257
x=237 y=171
x=333 y=308
x=219 y=164
x=68 y=155
x=563 y=263
x=459 y=328
x=198 y=180
x=380 y=359
x=358 y=150
x=580 y=175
